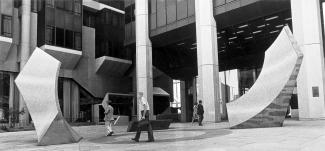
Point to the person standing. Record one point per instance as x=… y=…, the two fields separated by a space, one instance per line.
x=109 y=119
x=144 y=120
x=200 y=112
x=195 y=115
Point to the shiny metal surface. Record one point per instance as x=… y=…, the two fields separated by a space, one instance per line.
x=37 y=83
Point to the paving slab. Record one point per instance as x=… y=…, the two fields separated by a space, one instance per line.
x=295 y=135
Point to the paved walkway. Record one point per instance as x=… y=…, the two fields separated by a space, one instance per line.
x=295 y=135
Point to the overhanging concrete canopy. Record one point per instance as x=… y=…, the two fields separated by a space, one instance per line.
x=112 y=66
x=5 y=44
x=68 y=57
x=157 y=91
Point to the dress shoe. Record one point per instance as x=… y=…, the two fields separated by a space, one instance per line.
x=135 y=139
x=150 y=140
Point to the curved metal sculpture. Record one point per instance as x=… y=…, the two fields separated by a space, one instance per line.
x=266 y=103
x=37 y=83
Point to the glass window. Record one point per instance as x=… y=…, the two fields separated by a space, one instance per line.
x=181 y=9
x=171 y=11
x=161 y=13
x=68 y=5
x=69 y=39
x=4 y=97
x=49 y=35
x=77 y=7
x=59 y=37
x=77 y=41
x=59 y=4
x=49 y=3
x=114 y=20
x=6 y=26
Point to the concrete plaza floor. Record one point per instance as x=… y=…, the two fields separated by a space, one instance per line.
x=295 y=135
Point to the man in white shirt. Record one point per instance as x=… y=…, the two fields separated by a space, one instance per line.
x=144 y=120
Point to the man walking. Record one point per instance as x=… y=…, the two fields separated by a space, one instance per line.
x=144 y=120
x=109 y=119
x=200 y=112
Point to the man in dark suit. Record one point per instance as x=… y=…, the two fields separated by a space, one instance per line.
x=200 y=112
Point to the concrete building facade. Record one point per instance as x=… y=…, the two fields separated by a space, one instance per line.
x=128 y=46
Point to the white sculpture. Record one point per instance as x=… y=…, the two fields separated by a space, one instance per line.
x=266 y=103
x=37 y=83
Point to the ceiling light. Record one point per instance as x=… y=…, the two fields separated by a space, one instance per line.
x=194 y=44
x=261 y=26
x=271 y=18
x=288 y=18
x=258 y=31
x=219 y=37
x=243 y=26
x=232 y=38
x=279 y=26
x=238 y=32
x=193 y=48
x=181 y=44
x=274 y=31
x=250 y=37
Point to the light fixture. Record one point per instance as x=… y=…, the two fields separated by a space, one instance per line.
x=241 y=31
x=250 y=37
x=274 y=31
x=193 y=48
x=279 y=26
x=261 y=26
x=258 y=31
x=219 y=37
x=271 y=18
x=194 y=44
x=288 y=18
x=231 y=38
x=181 y=44
x=243 y=26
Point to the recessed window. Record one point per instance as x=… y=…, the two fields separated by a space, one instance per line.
x=49 y=3
x=50 y=35
x=59 y=37
x=6 y=26
x=69 y=39
x=77 y=41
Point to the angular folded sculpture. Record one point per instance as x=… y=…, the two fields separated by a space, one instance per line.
x=37 y=83
x=266 y=103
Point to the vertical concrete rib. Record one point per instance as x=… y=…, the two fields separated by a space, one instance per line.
x=143 y=52
x=24 y=52
x=306 y=22
x=207 y=56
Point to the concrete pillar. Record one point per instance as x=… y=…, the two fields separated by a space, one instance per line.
x=207 y=56
x=143 y=53
x=75 y=101
x=24 y=52
x=306 y=23
x=11 y=95
x=67 y=99
x=183 y=101
x=95 y=112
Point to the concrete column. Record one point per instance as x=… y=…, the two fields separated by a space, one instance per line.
x=75 y=101
x=24 y=52
x=207 y=56
x=306 y=23
x=67 y=99
x=143 y=53
x=95 y=111
x=183 y=102
x=11 y=95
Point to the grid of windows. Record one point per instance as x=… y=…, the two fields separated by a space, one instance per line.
x=62 y=23
x=62 y=37
x=6 y=29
